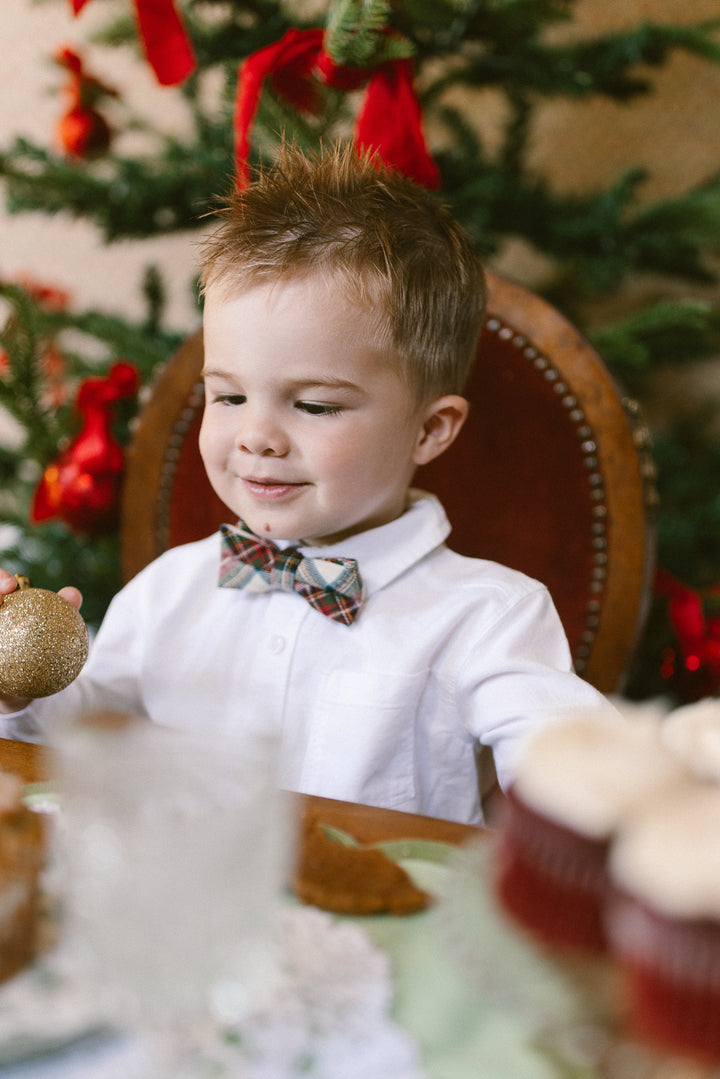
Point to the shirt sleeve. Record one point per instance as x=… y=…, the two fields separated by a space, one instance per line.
x=519 y=677
x=22 y=726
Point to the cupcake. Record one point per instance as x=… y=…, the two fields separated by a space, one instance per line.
x=576 y=780
x=692 y=733
x=663 y=920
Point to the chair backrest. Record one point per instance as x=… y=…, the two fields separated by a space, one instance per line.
x=551 y=475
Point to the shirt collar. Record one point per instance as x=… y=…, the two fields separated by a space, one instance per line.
x=384 y=553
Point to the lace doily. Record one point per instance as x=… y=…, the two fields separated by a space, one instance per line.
x=327 y=1015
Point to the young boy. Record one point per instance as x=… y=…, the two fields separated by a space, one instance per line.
x=342 y=312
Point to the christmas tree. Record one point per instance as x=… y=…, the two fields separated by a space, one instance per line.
x=411 y=79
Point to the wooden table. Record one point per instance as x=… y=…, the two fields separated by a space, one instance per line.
x=367 y=823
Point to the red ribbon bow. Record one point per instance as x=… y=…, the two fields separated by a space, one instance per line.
x=167 y=45
x=82 y=485
x=389 y=121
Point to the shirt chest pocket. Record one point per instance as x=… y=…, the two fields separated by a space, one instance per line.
x=362 y=743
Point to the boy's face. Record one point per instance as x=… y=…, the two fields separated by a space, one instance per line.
x=309 y=431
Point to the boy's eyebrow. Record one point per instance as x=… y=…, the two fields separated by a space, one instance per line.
x=321 y=381
x=212 y=372
x=326 y=382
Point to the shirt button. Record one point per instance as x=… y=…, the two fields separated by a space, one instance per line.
x=276 y=643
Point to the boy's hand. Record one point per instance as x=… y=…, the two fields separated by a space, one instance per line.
x=8 y=584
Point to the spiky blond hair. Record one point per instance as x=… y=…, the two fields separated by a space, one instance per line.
x=388 y=243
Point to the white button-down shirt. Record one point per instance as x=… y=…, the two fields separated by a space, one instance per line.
x=449 y=657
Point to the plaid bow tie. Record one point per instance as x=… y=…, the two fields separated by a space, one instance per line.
x=332 y=586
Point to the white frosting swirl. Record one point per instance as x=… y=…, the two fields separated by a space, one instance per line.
x=668 y=853
x=692 y=733
x=589 y=774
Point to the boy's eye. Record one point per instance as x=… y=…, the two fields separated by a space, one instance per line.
x=317 y=408
x=229 y=398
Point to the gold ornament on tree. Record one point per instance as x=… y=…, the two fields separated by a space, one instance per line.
x=43 y=642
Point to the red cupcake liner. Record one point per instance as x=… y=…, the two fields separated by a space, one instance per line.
x=670 y=969
x=551 y=879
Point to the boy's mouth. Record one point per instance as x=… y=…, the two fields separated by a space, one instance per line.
x=270 y=488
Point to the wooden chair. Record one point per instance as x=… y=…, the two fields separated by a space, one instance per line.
x=551 y=475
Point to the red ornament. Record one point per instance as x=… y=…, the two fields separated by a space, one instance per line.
x=82 y=130
x=49 y=296
x=82 y=486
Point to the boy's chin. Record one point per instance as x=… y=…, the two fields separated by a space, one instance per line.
x=304 y=532
x=271 y=529
x=264 y=529
x=278 y=533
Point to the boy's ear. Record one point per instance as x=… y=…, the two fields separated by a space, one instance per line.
x=443 y=419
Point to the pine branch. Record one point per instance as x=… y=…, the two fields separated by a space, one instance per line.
x=444 y=27
x=669 y=332
x=356 y=34
x=230 y=41
x=123 y=339
x=671 y=233
x=604 y=65
x=276 y=118
x=50 y=554
x=585 y=231
x=608 y=65
x=688 y=459
x=23 y=342
x=140 y=197
x=600 y=238
x=27 y=334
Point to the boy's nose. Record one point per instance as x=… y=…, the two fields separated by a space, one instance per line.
x=261 y=436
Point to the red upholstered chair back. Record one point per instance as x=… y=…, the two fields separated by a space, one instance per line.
x=551 y=475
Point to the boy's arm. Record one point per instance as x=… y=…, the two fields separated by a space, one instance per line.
x=520 y=678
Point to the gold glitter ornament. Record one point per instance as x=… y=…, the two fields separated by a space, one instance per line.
x=43 y=642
